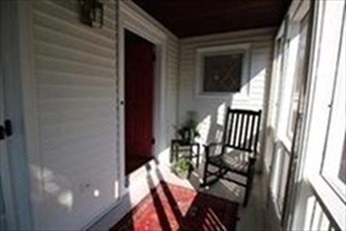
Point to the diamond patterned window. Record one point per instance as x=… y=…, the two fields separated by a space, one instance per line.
x=223 y=73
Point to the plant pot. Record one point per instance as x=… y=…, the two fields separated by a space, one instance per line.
x=182 y=167
x=182 y=174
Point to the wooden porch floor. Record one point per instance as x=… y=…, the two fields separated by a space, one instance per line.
x=251 y=218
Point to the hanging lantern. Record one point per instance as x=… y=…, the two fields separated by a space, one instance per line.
x=91 y=13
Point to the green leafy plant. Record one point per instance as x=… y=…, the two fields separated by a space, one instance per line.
x=188 y=131
x=182 y=166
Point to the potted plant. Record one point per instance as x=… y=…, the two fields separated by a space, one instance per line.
x=188 y=131
x=182 y=167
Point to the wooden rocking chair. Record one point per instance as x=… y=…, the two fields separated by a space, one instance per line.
x=238 y=150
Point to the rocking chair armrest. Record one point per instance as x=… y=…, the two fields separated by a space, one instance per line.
x=207 y=148
x=212 y=144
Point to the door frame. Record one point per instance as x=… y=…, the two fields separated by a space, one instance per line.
x=131 y=20
x=16 y=188
x=297 y=12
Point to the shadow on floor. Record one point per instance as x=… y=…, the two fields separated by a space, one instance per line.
x=251 y=217
x=171 y=207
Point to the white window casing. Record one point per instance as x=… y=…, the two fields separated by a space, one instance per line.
x=201 y=53
x=324 y=138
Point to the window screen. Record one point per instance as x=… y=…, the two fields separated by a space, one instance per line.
x=223 y=73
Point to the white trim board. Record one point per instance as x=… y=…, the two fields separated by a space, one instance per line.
x=131 y=20
x=255 y=34
x=11 y=23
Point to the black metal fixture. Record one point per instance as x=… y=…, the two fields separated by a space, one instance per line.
x=6 y=129
x=91 y=12
x=2 y=132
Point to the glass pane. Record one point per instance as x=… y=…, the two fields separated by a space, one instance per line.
x=222 y=73
x=342 y=170
x=300 y=74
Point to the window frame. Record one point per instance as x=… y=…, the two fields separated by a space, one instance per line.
x=317 y=121
x=333 y=138
x=201 y=53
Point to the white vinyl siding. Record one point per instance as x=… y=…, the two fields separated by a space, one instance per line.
x=71 y=116
x=253 y=92
x=172 y=85
x=74 y=83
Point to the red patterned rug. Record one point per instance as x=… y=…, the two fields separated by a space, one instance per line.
x=170 y=207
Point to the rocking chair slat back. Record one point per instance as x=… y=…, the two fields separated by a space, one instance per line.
x=246 y=122
x=241 y=129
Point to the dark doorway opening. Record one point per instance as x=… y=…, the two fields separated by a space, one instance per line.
x=139 y=101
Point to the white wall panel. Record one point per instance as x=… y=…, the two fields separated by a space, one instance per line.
x=209 y=108
x=73 y=82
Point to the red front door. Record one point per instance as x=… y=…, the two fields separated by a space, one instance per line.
x=139 y=71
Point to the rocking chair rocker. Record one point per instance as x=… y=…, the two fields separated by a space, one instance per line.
x=238 y=150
